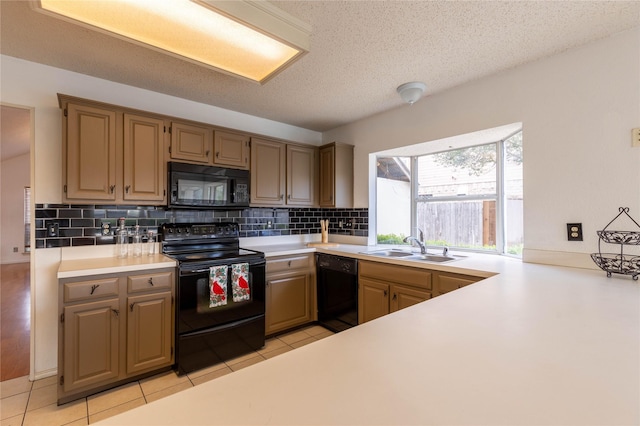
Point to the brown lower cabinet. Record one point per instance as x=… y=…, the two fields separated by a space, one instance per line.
x=446 y=282
x=290 y=292
x=113 y=328
x=384 y=288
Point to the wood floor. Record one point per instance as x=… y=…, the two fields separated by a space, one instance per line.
x=15 y=320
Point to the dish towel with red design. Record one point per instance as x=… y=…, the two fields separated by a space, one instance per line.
x=217 y=286
x=240 y=282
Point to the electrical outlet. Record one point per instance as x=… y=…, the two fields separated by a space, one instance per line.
x=52 y=228
x=15 y=249
x=574 y=231
x=635 y=138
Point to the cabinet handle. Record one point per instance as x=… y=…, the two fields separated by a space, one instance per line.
x=289 y=196
x=289 y=264
x=385 y=293
x=112 y=188
x=150 y=281
x=281 y=196
x=93 y=288
x=116 y=312
x=217 y=154
x=131 y=307
x=395 y=296
x=126 y=188
x=206 y=153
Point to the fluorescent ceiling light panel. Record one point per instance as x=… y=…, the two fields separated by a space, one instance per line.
x=250 y=39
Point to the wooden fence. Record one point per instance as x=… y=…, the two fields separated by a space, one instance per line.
x=474 y=224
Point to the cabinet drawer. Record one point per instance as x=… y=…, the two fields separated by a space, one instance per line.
x=87 y=290
x=290 y=263
x=147 y=282
x=398 y=274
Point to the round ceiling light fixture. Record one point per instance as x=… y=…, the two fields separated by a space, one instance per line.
x=411 y=92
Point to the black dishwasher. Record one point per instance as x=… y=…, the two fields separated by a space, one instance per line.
x=337 y=291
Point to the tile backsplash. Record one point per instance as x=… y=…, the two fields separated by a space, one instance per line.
x=66 y=225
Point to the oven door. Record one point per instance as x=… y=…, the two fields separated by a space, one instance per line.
x=202 y=305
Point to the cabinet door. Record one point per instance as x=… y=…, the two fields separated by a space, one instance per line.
x=191 y=143
x=288 y=301
x=373 y=300
x=301 y=173
x=231 y=150
x=90 y=154
x=449 y=282
x=149 y=331
x=402 y=297
x=91 y=344
x=144 y=166
x=327 y=176
x=267 y=172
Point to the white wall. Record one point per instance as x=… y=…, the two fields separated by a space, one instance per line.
x=15 y=176
x=34 y=85
x=577 y=110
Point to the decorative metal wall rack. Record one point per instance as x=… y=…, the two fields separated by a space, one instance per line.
x=619 y=263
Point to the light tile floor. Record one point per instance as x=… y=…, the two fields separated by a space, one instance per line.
x=34 y=403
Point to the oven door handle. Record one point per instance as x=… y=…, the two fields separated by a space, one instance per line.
x=194 y=271
x=253 y=264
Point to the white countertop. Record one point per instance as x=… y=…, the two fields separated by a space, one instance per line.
x=70 y=268
x=532 y=345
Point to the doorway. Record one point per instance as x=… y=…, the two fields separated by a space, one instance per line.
x=16 y=136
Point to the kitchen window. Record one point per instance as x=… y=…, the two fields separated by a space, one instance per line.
x=466 y=198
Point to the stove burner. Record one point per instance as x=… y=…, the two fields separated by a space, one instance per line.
x=203 y=242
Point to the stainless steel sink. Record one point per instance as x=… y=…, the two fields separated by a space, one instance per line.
x=407 y=255
x=389 y=253
x=435 y=258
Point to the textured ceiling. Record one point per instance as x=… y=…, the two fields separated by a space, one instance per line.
x=360 y=52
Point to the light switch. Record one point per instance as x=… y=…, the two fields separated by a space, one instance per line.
x=574 y=231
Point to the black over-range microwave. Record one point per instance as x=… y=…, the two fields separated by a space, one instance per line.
x=206 y=187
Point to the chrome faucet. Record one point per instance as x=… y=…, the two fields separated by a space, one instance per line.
x=419 y=241
x=445 y=250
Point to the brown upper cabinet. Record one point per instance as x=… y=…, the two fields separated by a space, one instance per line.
x=202 y=144
x=231 y=150
x=301 y=175
x=111 y=156
x=282 y=174
x=119 y=155
x=144 y=166
x=267 y=172
x=191 y=143
x=336 y=175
